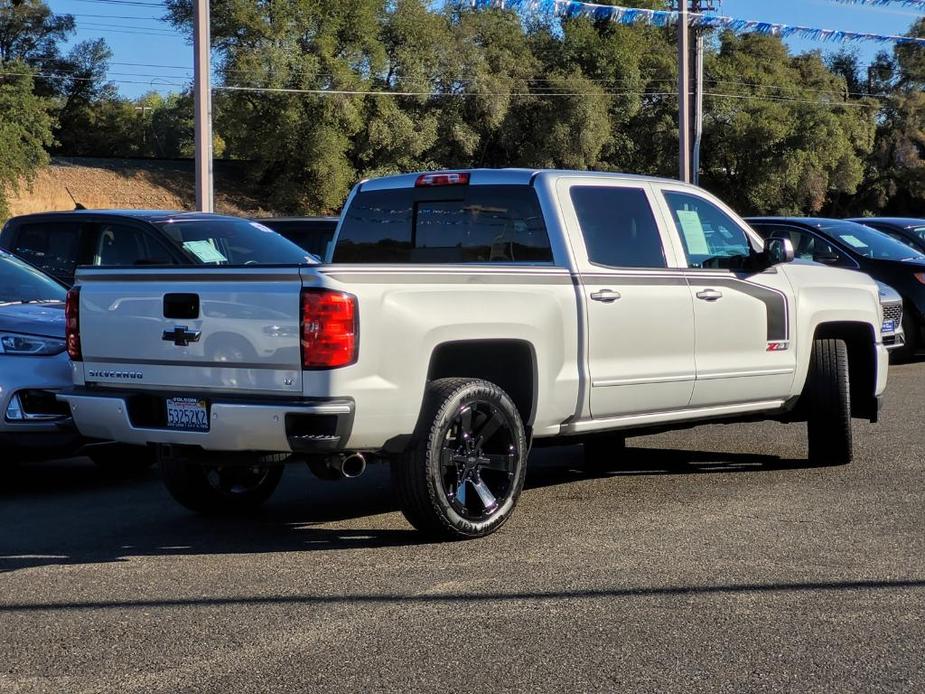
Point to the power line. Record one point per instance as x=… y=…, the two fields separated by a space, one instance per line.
x=128 y=3
x=344 y=92
x=147 y=32
x=105 y=25
x=117 y=16
x=359 y=92
x=769 y=97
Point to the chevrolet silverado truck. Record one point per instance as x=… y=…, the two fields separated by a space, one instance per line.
x=461 y=317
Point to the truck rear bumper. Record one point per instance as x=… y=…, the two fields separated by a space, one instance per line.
x=299 y=426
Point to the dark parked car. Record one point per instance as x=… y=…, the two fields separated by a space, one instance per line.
x=58 y=242
x=909 y=230
x=856 y=246
x=311 y=233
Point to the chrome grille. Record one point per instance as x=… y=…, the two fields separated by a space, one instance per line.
x=893 y=312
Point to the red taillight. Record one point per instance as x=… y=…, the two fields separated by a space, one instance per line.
x=443 y=179
x=330 y=329
x=72 y=323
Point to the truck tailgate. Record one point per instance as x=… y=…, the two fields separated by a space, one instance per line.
x=192 y=329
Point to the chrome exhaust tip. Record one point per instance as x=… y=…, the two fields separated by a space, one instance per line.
x=352 y=466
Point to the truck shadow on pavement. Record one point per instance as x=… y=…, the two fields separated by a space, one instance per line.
x=354 y=599
x=67 y=513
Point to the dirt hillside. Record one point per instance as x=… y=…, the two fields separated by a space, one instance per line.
x=133 y=184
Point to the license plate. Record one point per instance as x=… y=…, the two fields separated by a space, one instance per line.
x=889 y=326
x=187 y=414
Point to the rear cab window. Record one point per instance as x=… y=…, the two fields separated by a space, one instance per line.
x=446 y=224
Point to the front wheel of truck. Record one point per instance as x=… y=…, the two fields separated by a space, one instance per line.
x=462 y=477
x=219 y=489
x=828 y=392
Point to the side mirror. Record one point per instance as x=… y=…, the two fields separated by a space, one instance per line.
x=778 y=250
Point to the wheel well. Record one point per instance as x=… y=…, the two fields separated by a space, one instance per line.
x=509 y=364
x=862 y=363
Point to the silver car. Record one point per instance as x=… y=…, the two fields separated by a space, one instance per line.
x=33 y=366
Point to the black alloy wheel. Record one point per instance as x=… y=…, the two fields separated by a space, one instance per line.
x=464 y=473
x=478 y=460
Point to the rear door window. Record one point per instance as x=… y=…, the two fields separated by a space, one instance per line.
x=618 y=226
x=458 y=224
x=53 y=247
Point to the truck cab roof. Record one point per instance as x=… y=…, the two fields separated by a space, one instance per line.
x=511 y=176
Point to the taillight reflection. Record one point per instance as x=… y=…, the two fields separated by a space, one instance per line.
x=72 y=324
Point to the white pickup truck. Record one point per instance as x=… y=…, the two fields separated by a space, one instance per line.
x=461 y=317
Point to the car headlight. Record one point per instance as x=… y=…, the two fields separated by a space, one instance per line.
x=29 y=345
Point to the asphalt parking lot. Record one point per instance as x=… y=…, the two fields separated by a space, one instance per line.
x=713 y=560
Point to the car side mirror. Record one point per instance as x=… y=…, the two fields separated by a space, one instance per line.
x=778 y=251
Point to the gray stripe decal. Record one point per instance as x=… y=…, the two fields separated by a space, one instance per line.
x=775 y=302
x=635 y=280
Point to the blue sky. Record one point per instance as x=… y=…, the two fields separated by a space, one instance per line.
x=148 y=54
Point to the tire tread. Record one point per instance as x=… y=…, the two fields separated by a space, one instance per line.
x=417 y=498
x=829 y=390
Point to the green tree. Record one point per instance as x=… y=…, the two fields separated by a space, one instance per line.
x=785 y=137
x=30 y=32
x=301 y=144
x=87 y=102
x=25 y=130
x=895 y=176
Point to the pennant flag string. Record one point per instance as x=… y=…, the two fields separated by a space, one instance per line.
x=661 y=18
x=918 y=4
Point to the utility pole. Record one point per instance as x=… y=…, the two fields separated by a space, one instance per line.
x=698 y=6
x=202 y=105
x=143 y=110
x=690 y=156
x=684 y=102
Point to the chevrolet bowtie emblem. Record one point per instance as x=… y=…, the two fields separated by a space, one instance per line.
x=181 y=336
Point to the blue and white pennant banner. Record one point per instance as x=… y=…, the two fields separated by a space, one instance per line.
x=626 y=15
x=917 y=4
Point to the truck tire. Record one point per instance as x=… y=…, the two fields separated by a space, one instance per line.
x=214 y=489
x=464 y=473
x=118 y=460
x=604 y=451
x=829 y=404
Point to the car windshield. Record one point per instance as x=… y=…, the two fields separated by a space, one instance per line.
x=871 y=243
x=22 y=283
x=918 y=231
x=233 y=242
